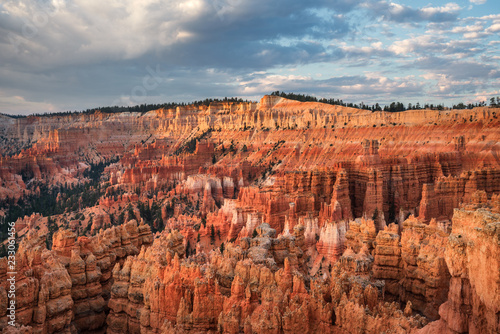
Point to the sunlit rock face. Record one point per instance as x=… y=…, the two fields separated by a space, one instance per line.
x=472 y=258
x=270 y=217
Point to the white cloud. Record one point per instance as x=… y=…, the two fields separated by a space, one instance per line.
x=474 y=35
x=183 y=32
x=494 y=28
x=469 y=28
x=373 y=48
x=90 y=30
x=401 y=13
x=485 y=95
x=351 y=88
x=478 y=2
x=418 y=44
x=449 y=8
x=19 y=105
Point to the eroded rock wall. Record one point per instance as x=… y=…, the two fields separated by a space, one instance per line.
x=67 y=289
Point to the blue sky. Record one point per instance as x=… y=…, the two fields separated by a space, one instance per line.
x=75 y=54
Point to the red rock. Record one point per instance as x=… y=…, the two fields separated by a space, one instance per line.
x=361 y=233
x=387 y=254
x=425 y=278
x=317 y=183
x=471 y=255
x=67 y=289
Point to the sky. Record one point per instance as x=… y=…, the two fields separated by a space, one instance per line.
x=60 y=55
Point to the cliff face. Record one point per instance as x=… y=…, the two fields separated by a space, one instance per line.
x=426 y=277
x=66 y=289
x=43 y=288
x=314 y=134
x=471 y=255
x=278 y=216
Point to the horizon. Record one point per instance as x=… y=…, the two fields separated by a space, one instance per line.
x=155 y=52
x=152 y=107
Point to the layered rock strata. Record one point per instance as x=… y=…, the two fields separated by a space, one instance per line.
x=66 y=289
x=278 y=216
x=472 y=253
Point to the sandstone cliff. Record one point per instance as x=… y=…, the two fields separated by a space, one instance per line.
x=471 y=255
x=66 y=289
x=277 y=216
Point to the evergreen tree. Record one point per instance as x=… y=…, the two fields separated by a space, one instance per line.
x=121 y=218
x=131 y=214
x=212 y=234
x=188 y=249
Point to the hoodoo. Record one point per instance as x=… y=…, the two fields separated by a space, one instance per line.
x=271 y=217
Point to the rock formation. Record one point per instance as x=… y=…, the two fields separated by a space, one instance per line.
x=472 y=253
x=278 y=216
x=66 y=289
x=241 y=290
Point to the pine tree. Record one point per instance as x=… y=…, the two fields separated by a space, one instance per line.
x=212 y=234
x=188 y=249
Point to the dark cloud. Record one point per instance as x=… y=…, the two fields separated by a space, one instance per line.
x=188 y=33
x=76 y=54
x=251 y=55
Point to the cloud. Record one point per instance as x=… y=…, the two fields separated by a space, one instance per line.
x=457 y=70
x=433 y=45
x=485 y=95
x=77 y=54
x=468 y=29
x=355 y=88
x=478 y=2
x=394 y=12
x=84 y=50
x=494 y=28
x=375 y=49
x=189 y=32
x=424 y=43
x=19 y=105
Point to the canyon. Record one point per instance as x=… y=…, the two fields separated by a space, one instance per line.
x=238 y=217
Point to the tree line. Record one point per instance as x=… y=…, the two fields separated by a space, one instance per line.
x=142 y=108
x=392 y=107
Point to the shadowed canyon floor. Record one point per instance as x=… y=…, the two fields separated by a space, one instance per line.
x=270 y=217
